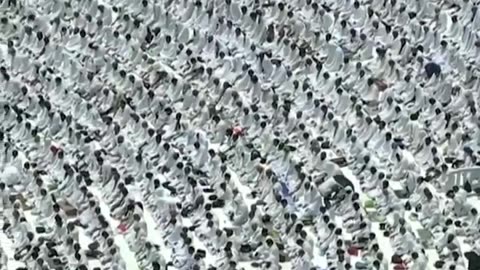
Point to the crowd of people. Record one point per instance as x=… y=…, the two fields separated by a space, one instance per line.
x=250 y=134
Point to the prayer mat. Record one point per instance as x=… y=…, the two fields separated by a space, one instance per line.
x=425 y=237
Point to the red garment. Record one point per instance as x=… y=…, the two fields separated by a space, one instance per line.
x=354 y=251
x=54 y=149
x=122 y=228
x=238 y=131
x=400 y=266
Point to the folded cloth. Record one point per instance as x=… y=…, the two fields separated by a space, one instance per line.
x=360 y=265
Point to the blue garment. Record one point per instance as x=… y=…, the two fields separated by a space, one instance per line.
x=433 y=68
x=287 y=194
x=285 y=190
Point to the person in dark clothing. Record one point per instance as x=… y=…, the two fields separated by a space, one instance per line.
x=473 y=260
x=433 y=69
